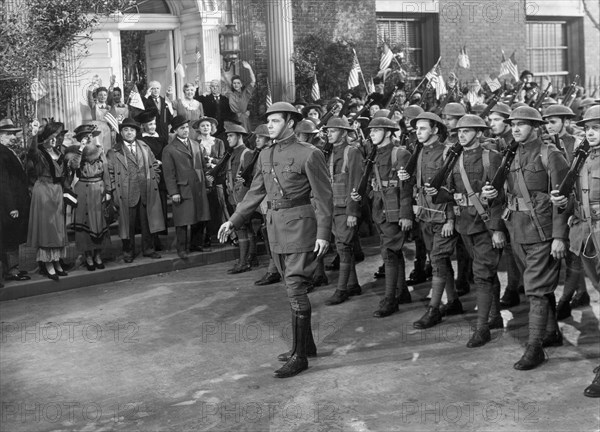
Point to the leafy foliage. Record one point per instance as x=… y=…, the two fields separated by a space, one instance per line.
x=331 y=61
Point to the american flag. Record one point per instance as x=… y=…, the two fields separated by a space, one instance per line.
x=463 y=58
x=493 y=84
x=437 y=81
x=112 y=121
x=371 y=86
x=269 y=99
x=509 y=67
x=135 y=98
x=315 y=91
x=179 y=69
x=386 y=57
x=38 y=89
x=353 y=77
x=198 y=54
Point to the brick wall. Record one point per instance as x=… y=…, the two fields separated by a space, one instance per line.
x=485 y=28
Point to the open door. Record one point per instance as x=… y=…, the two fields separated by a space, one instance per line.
x=160 y=59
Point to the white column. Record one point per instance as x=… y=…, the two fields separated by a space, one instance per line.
x=280 y=43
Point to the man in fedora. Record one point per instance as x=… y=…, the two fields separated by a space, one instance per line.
x=134 y=175
x=184 y=172
x=14 y=204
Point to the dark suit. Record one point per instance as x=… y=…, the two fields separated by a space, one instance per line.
x=221 y=111
x=164 y=117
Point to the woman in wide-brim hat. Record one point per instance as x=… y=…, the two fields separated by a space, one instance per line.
x=47 y=231
x=214 y=150
x=93 y=193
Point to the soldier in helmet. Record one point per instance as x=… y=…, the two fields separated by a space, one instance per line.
x=451 y=113
x=479 y=224
x=584 y=208
x=345 y=169
x=538 y=234
x=291 y=173
x=559 y=119
x=392 y=211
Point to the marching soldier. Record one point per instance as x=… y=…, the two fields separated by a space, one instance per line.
x=559 y=119
x=240 y=158
x=345 y=168
x=538 y=234
x=479 y=224
x=584 y=208
x=436 y=220
x=392 y=211
x=291 y=171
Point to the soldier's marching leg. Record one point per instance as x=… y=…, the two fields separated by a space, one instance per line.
x=252 y=257
x=319 y=278
x=419 y=273
x=344 y=241
x=272 y=276
x=354 y=288
x=553 y=336
x=465 y=268
x=389 y=304
x=514 y=272
x=242 y=265
x=495 y=320
x=403 y=294
x=454 y=305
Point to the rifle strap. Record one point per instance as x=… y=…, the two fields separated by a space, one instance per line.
x=377 y=176
x=344 y=163
x=525 y=192
x=394 y=156
x=419 y=172
x=485 y=216
x=274 y=173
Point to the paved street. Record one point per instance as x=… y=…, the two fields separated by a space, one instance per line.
x=194 y=350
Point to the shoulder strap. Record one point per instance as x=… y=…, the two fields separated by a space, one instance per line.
x=345 y=162
x=244 y=153
x=394 y=156
x=486 y=163
x=544 y=156
x=525 y=192
x=472 y=196
x=419 y=172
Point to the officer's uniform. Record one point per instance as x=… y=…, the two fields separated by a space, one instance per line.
x=290 y=172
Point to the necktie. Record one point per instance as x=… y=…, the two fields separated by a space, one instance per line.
x=157 y=102
x=131 y=147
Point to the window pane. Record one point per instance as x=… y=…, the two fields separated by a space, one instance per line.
x=546 y=47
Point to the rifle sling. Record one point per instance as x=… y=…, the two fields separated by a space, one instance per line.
x=485 y=216
x=525 y=192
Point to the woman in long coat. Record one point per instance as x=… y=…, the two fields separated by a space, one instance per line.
x=93 y=189
x=47 y=231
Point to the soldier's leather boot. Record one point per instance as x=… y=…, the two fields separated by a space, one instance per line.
x=431 y=318
x=380 y=273
x=563 y=310
x=593 y=390
x=268 y=279
x=532 y=358
x=311 y=348
x=387 y=306
x=337 y=298
x=298 y=361
x=553 y=339
x=404 y=297
x=496 y=323
x=509 y=299
x=452 y=308
x=580 y=299
x=479 y=338
x=354 y=290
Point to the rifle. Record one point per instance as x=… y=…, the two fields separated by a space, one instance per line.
x=345 y=107
x=219 y=169
x=557 y=143
x=504 y=169
x=369 y=162
x=327 y=149
x=570 y=92
x=514 y=96
x=323 y=121
x=411 y=165
x=248 y=173
x=365 y=107
x=540 y=100
x=579 y=158
x=440 y=177
x=491 y=104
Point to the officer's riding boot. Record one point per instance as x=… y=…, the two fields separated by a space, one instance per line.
x=319 y=277
x=311 y=348
x=464 y=268
x=495 y=321
x=252 y=257
x=553 y=337
x=341 y=293
x=389 y=304
x=403 y=294
x=482 y=335
x=511 y=293
x=538 y=318
x=298 y=362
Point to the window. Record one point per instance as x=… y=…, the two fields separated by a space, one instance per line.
x=403 y=32
x=547 y=50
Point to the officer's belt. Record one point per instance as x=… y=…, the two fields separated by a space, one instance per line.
x=517 y=204
x=463 y=200
x=594 y=210
x=384 y=184
x=285 y=203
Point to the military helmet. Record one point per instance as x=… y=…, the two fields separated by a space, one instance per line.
x=454 y=109
x=558 y=111
x=235 y=128
x=431 y=117
x=593 y=113
x=382 y=113
x=338 y=123
x=306 y=126
x=470 y=121
x=284 y=108
x=412 y=111
x=502 y=109
x=478 y=108
x=526 y=113
x=262 y=130
x=384 y=123
x=518 y=105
